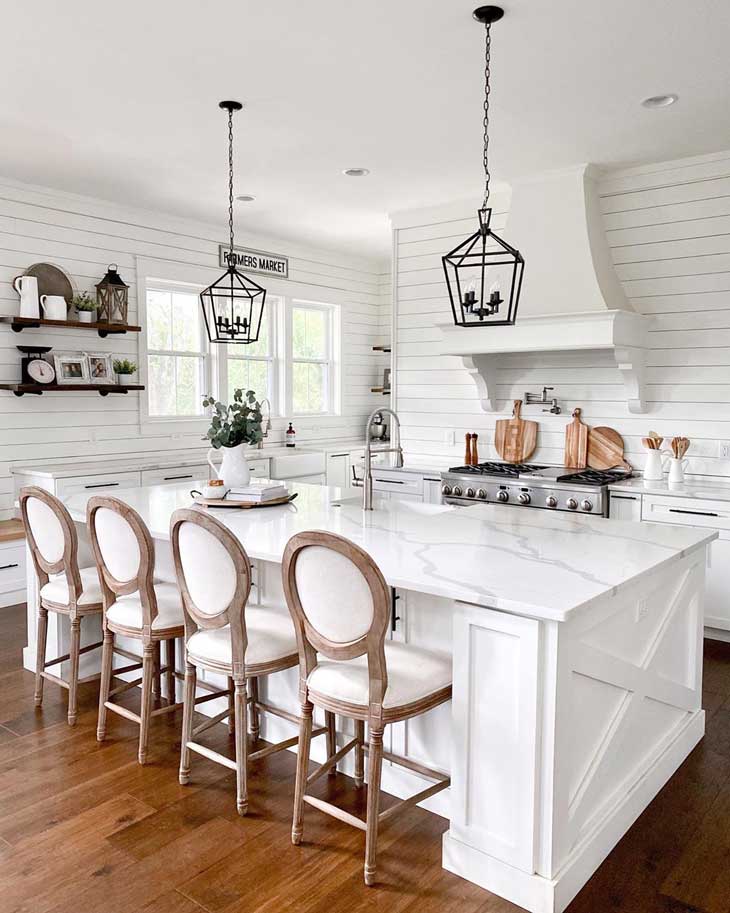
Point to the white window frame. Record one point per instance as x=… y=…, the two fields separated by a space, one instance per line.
x=332 y=312
x=274 y=305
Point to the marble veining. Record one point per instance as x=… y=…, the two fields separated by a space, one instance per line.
x=531 y=562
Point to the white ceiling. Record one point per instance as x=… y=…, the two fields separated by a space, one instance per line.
x=120 y=101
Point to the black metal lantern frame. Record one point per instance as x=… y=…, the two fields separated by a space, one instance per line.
x=484 y=272
x=233 y=306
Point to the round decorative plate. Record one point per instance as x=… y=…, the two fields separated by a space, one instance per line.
x=51 y=280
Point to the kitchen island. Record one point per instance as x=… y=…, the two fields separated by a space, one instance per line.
x=577 y=648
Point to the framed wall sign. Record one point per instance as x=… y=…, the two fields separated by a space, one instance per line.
x=255 y=261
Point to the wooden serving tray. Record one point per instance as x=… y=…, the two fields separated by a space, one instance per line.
x=243 y=505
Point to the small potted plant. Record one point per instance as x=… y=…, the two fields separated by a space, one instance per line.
x=125 y=370
x=85 y=308
x=232 y=429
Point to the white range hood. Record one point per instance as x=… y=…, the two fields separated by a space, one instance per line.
x=571 y=298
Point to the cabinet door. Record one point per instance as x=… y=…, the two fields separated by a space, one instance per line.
x=432 y=490
x=624 y=506
x=338 y=470
x=717 y=584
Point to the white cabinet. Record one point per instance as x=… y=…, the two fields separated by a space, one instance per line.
x=432 y=490
x=12 y=572
x=318 y=479
x=717 y=584
x=405 y=485
x=624 y=506
x=114 y=481
x=338 y=469
x=172 y=475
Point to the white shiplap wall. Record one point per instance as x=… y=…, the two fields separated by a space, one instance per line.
x=83 y=236
x=668 y=227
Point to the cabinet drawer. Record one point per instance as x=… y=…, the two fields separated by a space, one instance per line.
x=12 y=566
x=401 y=483
x=172 y=474
x=686 y=512
x=259 y=468
x=100 y=483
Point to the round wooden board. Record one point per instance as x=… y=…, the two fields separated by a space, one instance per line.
x=606 y=449
x=51 y=280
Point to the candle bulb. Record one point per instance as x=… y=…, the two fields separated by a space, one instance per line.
x=470 y=299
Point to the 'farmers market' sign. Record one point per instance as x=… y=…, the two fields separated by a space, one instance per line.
x=255 y=261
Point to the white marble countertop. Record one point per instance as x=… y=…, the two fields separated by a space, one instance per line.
x=529 y=562
x=710 y=489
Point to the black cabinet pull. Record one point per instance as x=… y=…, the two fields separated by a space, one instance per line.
x=394 y=619
x=103 y=485
x=6 y=567
x=390 y=481
x=175 y=478
x=624 y=497
x=693 y=513
x=333 y=455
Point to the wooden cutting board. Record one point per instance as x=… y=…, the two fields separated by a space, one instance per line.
x=514 y=438
x=606 y=449
x=576 y=442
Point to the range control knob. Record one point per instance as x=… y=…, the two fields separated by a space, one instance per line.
x=572 y=504
x=446 y=490
x=551 y=501
x=585 y=504
x=524 y=498
x=470 y=493
x=457 y=491
x=502 y=496
x=482 y=494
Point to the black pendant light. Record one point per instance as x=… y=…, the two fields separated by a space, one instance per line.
x=234 y=304
x=484 y=273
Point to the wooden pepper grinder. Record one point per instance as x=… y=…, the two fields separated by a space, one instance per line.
x=467 y=449
x=474 y=451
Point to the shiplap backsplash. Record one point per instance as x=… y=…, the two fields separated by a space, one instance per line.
x=83 y=236
x=668 y=227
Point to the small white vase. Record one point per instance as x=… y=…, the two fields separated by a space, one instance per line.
x=124 y=380
x=654 y=466
x=86 y=316
x=676 y=470
x=234 y=469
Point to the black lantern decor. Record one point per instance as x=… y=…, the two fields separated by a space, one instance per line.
x=484 y=272
x=112 y=297
x=234 y=304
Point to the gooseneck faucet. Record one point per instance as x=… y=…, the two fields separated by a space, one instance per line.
x=367 y=479
x=267 y=423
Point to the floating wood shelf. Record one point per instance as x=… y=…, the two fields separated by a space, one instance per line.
x=381 y=348
x=18 y=324
x=38 y=389
x=383 y=390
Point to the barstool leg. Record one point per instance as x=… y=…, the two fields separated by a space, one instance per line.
x=149 y=652
x=329 y=720
x=305 y=738
x=375 y=765
x=170 y=674
x=239 y=703
x=253 y=710
x=157 y=677
x=359 y=753
x=187 y=727
x=40 y=661
x=107 y=655
x=73 y=679
x=231 y=706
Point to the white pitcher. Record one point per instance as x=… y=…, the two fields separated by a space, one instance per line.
x=676 y=470
x=234 y=469
x=27 y=288
x=654 y=466
x=54 y=307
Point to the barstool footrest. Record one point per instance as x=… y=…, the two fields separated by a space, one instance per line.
x=66 y=656
x=331 y=761
x=211 y=755
x=335 y=812
x=122 y=711
x=218 y=718
x=413 y=800
x=55 y=679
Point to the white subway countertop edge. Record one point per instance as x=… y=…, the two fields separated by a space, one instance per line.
x=538 y=563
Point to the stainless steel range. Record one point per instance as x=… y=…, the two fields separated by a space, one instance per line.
x=529 y=485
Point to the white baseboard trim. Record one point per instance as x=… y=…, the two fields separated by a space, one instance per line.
x=717 y=634
x=544 y=895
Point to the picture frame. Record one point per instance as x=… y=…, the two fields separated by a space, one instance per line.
x=71 y=368
x=101 y=370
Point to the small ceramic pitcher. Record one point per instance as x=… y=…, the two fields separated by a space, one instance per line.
x=234 y=469
x=27 y=288
x=676 y=470
x=54 y=307
x=654 y=466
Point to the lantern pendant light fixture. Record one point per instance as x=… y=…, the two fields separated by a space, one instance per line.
x=234 y=304
x=484 y=272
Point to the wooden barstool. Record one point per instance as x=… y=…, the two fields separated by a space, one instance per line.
x=340 y=604
x=63 y=587
x=226 y=635
x=134 y=606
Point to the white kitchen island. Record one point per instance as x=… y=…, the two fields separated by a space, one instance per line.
x=577 y=646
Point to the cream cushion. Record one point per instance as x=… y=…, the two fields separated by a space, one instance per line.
x=413 y=673
x=47 y=530
x=127 y=610
x=270 y=634
x=56 y=590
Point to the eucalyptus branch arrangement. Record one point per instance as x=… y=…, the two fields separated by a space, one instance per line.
x=237 y=423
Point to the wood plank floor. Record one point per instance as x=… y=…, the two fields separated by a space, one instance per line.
x=85 y=829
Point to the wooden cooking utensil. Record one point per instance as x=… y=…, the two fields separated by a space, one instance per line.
x=474 y=451
x=576 y=442
x=467 y=449
x=605 y=449
x=515 y=439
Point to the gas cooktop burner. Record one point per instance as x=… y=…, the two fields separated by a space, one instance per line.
x=513 y=470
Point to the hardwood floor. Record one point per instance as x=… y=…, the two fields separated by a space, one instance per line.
x=85 y=829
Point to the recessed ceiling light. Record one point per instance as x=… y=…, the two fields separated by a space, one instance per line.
x=245 y=198
x=659 y=101
x=356 y=172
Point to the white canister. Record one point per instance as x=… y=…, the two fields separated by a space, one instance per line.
x=54 y=307
x=27 y=288
x=654 y=466
x=676 y=470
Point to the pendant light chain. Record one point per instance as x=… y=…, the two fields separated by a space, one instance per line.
x=487 y=89
x=230 y=179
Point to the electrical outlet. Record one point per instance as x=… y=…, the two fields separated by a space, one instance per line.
x=725 y=450
x=449 y=438
x=642 y=609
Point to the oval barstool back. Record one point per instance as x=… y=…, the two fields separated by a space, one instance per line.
x=62 y=586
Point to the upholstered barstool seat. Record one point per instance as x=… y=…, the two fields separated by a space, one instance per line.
x=57 y=591
x=127 y=612
x=271 y=639
x=414 y=675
